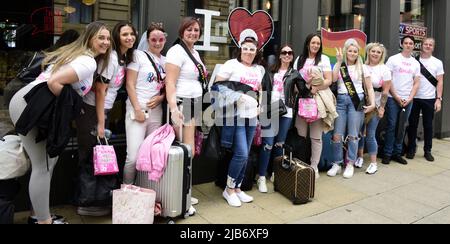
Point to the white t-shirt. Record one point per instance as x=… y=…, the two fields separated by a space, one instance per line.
x=84 y=66
x=147 y=84
x=403 y=72
x=426 y=89
x=115 y=73
x=379 y=74
x=188 y=85
x=324 y=65
x=356 y=78
x=278 y=90
x=234 y=70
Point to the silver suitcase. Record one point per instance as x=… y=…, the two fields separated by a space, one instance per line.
x=174 y=189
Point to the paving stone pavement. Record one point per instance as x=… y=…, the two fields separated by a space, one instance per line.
x=418 y=193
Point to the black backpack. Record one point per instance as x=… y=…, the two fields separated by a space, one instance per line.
x=28 y=74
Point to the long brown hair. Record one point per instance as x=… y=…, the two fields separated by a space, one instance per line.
x=128 y=57
x=276 y=67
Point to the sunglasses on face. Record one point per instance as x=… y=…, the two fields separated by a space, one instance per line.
x=287 y=53
x=249 y=49
x=155 y=40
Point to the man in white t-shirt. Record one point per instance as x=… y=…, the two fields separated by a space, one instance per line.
x=427 y=101
x=405 y=83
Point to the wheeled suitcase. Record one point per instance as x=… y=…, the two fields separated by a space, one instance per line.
x=174 y=188
x=294 y=179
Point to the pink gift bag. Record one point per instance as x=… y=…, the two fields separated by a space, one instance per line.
x=307 y=109
x=133 y=205
x=105 y=160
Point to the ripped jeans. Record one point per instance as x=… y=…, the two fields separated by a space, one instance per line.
x=273 y=135
x=347 y=127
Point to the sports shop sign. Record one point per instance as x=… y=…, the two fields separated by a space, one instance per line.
x=418 y=32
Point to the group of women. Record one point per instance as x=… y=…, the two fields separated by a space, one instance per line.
x=100 y=62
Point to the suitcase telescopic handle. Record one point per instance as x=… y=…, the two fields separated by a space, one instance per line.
x=288 y=164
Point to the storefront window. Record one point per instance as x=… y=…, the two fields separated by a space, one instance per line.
x=412 y=12
x=42 y=21
x=412 y=21
x=83 y=13
x=340 y=15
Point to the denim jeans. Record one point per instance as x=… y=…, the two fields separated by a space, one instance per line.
x=347 y=126
x=242 y=142
x=275 y=136
x=392 y=147
x=370 y=139
x=426 y=106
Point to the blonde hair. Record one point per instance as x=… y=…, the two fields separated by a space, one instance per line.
x=383 y=50
x=359 y=63
x=82 y=46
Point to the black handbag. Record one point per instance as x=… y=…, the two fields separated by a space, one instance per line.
x=277 y=108
x=211 y=149
x=33 y=69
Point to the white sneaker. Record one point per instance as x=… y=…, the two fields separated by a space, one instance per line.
x=244 y=197
x=262 y=186
x=349 y=171
x=359 y=163
x=194 y=201
x=316 y=171
x=233 y=199
x=192 y=211
x=372 y=169
x=336 y=169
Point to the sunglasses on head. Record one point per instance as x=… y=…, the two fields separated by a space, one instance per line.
x=287 y=53
x=155 y=40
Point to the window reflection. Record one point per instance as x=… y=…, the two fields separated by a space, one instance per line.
x=340 y=15
x=412 y=12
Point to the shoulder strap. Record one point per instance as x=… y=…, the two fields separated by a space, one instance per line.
x=202 y=76
x=158 y=74
x=350 y=86
x=298 y=63
x=29 y=63
x=427 y=73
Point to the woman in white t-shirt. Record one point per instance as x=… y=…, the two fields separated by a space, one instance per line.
x=349 y=122
x=183 y=86
x=238 y=135
x=277 y=127
x=312 y=58
x=93 y=196
x=381 y=77
x=145 y=88
x=74 y=65
x=185 y=83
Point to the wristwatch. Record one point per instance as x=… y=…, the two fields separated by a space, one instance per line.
x=440 y=98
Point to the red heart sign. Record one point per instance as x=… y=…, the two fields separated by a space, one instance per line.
x=260 y=21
